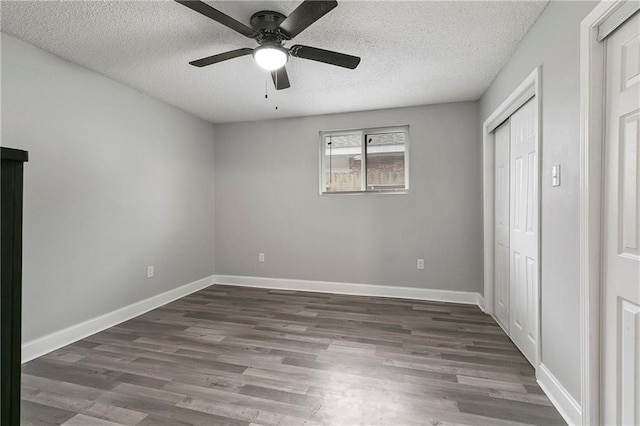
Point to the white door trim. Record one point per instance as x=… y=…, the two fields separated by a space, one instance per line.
x=529 y=88
x=592 y=78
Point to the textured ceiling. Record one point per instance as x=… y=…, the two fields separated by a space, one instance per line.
x=413 y=53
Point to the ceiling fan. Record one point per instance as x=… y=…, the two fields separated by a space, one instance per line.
x=272 y=30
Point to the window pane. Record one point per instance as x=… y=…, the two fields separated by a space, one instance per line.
x=385 y=160
x=342 y=163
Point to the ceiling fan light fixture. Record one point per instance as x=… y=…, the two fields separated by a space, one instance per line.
x=270 y=57
x=271 y=29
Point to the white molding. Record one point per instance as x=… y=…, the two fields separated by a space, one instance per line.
x=530 y=88
x=480 y=302
x=525 y=91
x=616 y=16
x=592 y=64
x=566 y=404
x=43 y=345
x=469 y=298
x=488 y=160
x=502 y=326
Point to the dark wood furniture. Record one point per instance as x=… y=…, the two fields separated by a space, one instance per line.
x=11 y=283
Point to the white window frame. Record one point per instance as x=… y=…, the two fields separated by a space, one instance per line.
x=363 y=133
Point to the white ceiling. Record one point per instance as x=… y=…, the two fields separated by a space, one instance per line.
x=413 y=53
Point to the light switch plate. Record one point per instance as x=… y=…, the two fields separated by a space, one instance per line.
x=555 y=175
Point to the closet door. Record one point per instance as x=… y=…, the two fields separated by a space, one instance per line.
x=523 y=236
x=501 y=226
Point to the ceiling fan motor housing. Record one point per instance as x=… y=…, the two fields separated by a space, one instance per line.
x=266 y=22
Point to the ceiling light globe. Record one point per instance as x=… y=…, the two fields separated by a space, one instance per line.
x=270 y=58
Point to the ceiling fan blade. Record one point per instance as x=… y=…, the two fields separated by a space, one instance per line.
x=304 y=15
x=280 y=78
x=221 y=57
x=326 y=56
x=219 y=17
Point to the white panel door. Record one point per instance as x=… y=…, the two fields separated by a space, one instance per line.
x=621 y=250
x=523 y=208
x=501 y=226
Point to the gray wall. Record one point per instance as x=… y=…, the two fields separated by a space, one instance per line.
x=116 y=181
x=267 y=200
x=554 y=43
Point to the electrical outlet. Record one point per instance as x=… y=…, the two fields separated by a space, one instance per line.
x=150 y=271
x=420 y=264
x=261 y=257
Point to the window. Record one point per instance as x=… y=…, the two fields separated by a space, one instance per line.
x=367 y=160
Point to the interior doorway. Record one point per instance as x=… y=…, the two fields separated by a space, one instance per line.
x=610 y=214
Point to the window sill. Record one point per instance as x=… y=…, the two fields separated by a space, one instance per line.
x=372 y=192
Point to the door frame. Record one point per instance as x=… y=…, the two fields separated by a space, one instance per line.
x=592 y=118
x=528 y=89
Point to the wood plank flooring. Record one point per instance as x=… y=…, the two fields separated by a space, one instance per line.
x=240 y=356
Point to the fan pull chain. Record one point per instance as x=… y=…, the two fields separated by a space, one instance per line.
x=266 y=84
x=330 y=159
x=276 y=86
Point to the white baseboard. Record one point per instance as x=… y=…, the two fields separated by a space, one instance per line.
x=480 y=302
x=465 y=297
x=43 y=345
x=502 y=326
x=559 y=396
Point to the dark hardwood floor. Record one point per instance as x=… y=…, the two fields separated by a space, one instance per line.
x=234 y=355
